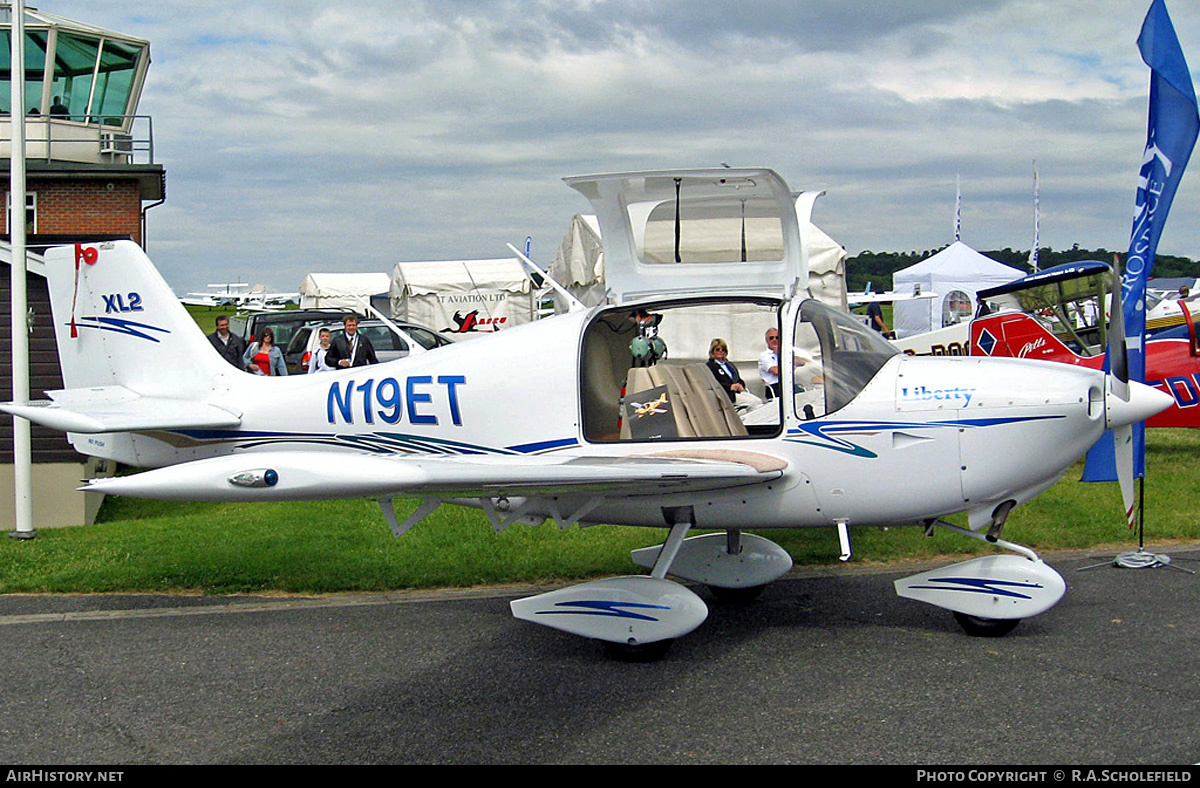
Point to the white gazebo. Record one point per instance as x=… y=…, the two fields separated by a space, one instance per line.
x=955 y=274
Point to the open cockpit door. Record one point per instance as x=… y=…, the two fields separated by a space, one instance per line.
x=698 y=232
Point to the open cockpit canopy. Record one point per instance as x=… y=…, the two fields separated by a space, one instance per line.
x=700 y=232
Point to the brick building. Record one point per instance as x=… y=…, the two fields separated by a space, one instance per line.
x=90 y=176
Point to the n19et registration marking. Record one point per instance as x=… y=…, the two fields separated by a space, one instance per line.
x=419 y=398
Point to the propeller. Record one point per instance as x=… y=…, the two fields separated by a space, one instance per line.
x=1118 y=377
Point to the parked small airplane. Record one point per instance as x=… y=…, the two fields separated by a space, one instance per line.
x=876 y=439
x=240 y=296
x=1059 y=314
x=870 y=296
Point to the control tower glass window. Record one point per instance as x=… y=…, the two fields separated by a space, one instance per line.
x=93 y=78
x=35 y=62
x=114 y=80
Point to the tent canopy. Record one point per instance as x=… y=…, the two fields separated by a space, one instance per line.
x=341 y=291
x=425 y=278
x=955 y=274
x=463 y=296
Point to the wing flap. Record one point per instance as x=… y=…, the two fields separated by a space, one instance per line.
x=117 y=409
x=309 y=475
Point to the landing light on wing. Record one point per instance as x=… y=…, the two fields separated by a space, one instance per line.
x=268 y=477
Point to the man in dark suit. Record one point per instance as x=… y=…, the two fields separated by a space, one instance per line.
x=229 y=345
x=351 y=349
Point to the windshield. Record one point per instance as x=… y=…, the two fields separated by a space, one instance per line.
x=1072 y=310
x=424 y=338
x=836 y=357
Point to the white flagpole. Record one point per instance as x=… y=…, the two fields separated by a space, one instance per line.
x=1033 y=257
x=22 y=441
x=957 y=208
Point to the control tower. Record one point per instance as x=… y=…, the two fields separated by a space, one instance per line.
x=90 y=168
x=91 y=176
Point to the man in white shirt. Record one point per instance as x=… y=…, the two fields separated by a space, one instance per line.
x=318 y=358
x=768 y=364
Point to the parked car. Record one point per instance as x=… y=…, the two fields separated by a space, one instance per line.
x=283 y=322
x=388 y=344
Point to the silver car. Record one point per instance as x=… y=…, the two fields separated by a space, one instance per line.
x=408 y=340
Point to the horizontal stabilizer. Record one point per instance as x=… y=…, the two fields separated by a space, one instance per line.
x=117 y=409
x=313 y=475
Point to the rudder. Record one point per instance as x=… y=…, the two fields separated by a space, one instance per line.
x=117 y=322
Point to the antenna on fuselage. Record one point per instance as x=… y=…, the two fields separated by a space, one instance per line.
x=573 y=303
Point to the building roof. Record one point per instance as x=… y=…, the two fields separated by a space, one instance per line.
x=35 y=19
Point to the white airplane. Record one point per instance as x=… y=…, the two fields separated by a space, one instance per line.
x=876 y=439
x=869 y=296
x=235 y=294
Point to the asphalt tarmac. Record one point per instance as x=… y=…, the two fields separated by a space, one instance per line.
x=827 y=667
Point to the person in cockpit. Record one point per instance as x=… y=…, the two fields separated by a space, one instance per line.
x=724 y=370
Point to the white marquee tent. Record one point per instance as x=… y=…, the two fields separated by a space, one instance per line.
x=955 y=274
x=469 y=297
x=341 y=291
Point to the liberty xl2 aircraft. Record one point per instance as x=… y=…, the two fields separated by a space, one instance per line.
x=860 y=434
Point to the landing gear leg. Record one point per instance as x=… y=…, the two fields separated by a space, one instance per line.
x=681 y=519
x=741 y=595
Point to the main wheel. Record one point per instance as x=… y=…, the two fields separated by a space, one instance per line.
x=740 y=596
x=638 y=652
x=980 y=627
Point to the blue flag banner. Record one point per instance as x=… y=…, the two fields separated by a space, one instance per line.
x=1170 y=138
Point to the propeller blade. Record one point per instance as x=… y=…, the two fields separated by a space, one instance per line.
x=1118 y=365
x=1118 y=352
x=1123 y=448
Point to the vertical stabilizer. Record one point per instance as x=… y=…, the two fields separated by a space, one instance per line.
x=118 y=323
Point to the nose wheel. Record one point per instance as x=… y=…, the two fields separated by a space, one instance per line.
x=977 y=626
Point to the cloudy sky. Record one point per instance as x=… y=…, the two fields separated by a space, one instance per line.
x=301 y=136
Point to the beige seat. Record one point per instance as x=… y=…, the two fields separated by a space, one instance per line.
x=697 y=402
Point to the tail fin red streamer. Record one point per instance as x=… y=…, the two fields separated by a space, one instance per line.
x=89 y=256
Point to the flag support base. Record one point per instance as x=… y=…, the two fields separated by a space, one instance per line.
x=1140 y=559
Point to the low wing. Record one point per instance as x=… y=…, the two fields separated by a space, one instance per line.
x=117 y=409
x=314 y=475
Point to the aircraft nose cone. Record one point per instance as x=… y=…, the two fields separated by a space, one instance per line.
x=1144 y=402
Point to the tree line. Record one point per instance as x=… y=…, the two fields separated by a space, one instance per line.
x=878 y=267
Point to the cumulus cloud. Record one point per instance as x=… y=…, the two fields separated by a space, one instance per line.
x=300 y=136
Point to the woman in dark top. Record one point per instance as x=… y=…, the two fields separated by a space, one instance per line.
x=725 y=371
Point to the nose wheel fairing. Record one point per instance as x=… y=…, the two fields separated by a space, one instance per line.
x=990 y=588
